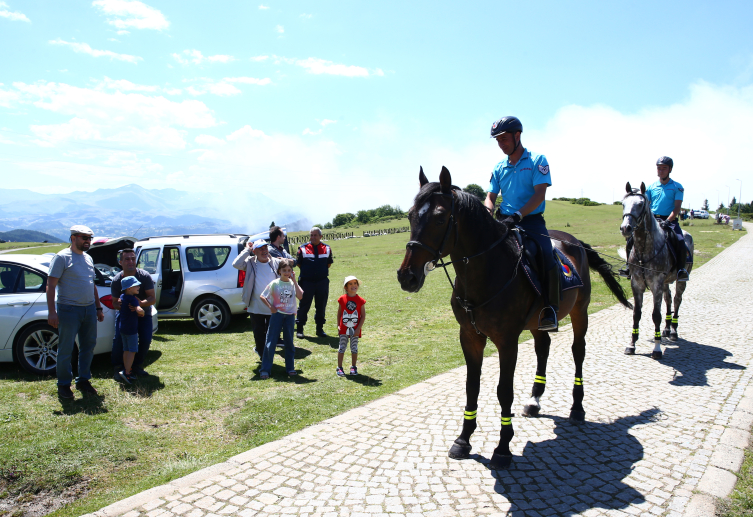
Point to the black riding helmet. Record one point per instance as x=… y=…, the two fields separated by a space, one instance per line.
x=507 y=125
x=665 y=160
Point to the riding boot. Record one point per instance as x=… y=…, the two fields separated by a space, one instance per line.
x=548 y=316
x=624 y=271
x=682 y=258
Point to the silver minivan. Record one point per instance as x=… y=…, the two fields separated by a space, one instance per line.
x=194 y=276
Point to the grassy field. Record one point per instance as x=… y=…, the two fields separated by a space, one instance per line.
x=20 y=246
x=203 y=403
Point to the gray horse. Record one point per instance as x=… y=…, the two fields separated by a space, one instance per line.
x=651 y=265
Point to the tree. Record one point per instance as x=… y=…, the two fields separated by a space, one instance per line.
x=476 y=190
x=721 y=207
x=343 y=219
x=733 y=202
x=705 y=205
x=271 y=224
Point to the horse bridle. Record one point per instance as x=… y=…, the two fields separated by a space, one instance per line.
x=641 y=219
x=437 y=253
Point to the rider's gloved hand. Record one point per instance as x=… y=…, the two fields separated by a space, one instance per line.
x=666 y=224
x=512 y=220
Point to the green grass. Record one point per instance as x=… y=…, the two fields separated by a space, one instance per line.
x=205 y=402
x=20 y=246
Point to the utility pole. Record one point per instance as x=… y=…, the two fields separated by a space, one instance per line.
x=727 y=198
x=739 y=199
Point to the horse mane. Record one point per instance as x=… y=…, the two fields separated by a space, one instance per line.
x=469 y=204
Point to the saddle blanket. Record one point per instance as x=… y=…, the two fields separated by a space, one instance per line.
x=569 y=277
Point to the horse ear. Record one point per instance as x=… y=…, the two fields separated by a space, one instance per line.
x=628 y=188
x=643 y=188
x=422 y=177
x=445 y=180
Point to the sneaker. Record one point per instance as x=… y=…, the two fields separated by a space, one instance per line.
x=353 y=370
x=85 y=386
x=340 y=372
x=64 y=392
x=139 y=372
x=299 y=335
x=320 y=332
x=124 y=377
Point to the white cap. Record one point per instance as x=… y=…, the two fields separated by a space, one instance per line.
x=80 y=228
x=348 y=279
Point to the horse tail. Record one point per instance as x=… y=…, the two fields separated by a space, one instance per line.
x=602 y=267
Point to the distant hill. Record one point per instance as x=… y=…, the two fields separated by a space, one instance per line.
x=134 y=210
x=27 y=236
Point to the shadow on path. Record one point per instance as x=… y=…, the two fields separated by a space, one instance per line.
x=582 y=468
x=692 y=361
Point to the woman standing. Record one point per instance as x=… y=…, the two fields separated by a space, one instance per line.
x=260 y=270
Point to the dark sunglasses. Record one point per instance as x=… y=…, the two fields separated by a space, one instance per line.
x=85 y=237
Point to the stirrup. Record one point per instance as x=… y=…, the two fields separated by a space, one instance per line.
x=682 y=277
x=550 y=326
x=624 y=272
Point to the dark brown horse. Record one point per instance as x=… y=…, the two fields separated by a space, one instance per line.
x=492 y=298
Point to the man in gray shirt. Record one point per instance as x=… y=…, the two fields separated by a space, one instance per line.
x=77 y=312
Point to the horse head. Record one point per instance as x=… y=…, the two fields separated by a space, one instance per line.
x=634 y=209
x=432 y=218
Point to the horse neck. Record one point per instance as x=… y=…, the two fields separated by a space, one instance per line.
x=473 y=239
x=645 y=240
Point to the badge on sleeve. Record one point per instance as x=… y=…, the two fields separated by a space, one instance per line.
x=544 y=169
x=681 y=189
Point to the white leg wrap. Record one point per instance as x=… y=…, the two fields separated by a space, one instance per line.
x=657 y=347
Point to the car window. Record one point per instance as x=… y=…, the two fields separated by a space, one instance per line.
x=148 y=260
x=207 y=258
x=30 y=282
x=8 y=276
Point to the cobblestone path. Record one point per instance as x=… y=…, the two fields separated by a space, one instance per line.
x=661 y=437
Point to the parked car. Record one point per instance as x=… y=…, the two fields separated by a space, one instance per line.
x=700 y=214
x=25 y=336
x=194 y=276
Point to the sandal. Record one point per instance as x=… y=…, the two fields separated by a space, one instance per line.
x=264 y=376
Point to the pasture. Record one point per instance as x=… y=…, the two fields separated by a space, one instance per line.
x=204 y=403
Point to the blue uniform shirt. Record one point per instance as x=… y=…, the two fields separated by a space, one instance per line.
x=663 y=197
x=516 y=182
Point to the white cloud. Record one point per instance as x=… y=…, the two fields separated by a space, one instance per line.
x=84 y=48
x=196 y=57
x=123 y=33
x=125 y=86
x=263 y=7
x=306 y=16
x=259 y=58
x=247 y=80
x=209 y=140
x=13 y=16
x=280 y=29
x=321 y=66
x=324 y=123
x=131 y=14
x=224 y=87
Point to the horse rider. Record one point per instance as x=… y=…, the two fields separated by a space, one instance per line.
x=522 y=180
x=665 y=196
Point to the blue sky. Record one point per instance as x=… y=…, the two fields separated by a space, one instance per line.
x=333 y=106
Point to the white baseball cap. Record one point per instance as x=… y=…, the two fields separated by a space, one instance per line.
x=80 y=228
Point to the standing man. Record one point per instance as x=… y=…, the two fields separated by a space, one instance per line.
x=522 y=179
x=277 y=244
x=665 y=197
x=77 y=313
x=314 y=258
x=147 y=298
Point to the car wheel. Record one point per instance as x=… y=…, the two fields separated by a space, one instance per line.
x=211 y=315
x=36 y=349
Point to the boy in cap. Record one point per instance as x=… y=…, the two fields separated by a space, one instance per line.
x=350 y=317
x=128 y=325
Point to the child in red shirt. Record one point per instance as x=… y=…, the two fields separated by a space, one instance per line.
x=350 y=317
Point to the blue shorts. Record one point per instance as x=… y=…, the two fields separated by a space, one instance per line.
x=130 y=342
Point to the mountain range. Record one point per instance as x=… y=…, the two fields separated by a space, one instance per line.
x=135 y=211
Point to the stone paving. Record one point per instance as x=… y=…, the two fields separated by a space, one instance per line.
x=661 y=437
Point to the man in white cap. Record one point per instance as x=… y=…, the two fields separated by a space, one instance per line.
x=78 y=310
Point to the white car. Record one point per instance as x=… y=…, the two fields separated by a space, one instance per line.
x=700 y=214
x=25 y=336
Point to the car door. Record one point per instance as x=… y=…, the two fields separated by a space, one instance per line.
x=150 y=260
x=20 y=290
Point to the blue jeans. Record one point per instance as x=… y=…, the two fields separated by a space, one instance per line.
x=145 y=341
x=73 y=320
x=278 y=321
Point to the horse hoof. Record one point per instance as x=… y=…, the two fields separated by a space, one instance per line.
x=665 y=333
x=673 y=337
x=531 y=410
x=630 y=351
x=577 y=417
x=656 y=355
x=500 y=462
x=460 y=450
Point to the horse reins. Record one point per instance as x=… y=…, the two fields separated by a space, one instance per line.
x=438 y=261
